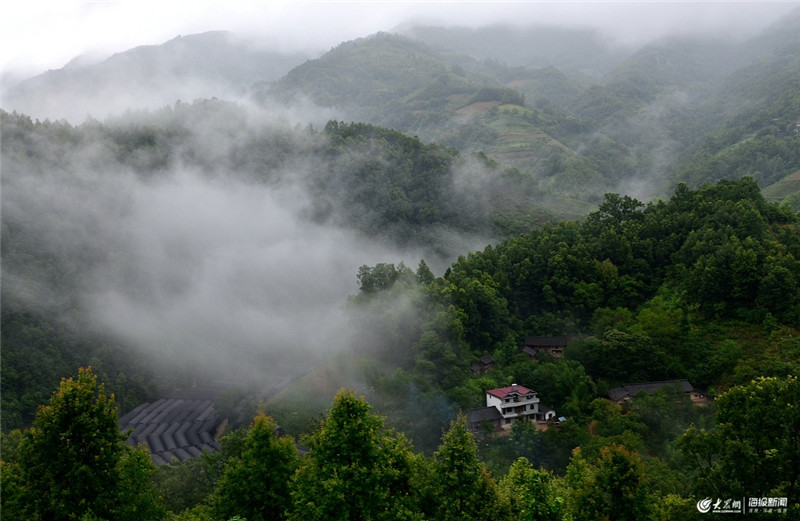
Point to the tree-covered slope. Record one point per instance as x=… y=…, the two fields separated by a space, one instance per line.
x=101 y=210
x=383 y=79
x=581 y=52
x=476 y=107
x=647 y=284
x=690 y=67
x=752 y=125
x=574 y=135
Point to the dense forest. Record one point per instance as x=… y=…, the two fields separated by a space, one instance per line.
x=337 y=278
x=73 y=464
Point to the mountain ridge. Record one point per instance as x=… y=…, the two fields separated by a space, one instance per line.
x=211 y=64
x=623 y=122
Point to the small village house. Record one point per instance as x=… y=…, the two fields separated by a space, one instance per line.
x=506 y=405
x=533 y=346
x=627 y=392
x=483 y=365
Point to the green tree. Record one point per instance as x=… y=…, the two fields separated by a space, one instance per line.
x=424 y=274
x=613 y=487
x=676 y=508
x=666 y=414
x=531 y=494
x=136 y=498
x=73 y=461
x=563 y=385
x=464 y=488
x=484 y=309
x=69 y=457
x=256 y=485
x=441 y=356
x=12 y=498
x=625 y=357
x=381 y=277
x=191 y=483
x=754 y=449
x=355 y=470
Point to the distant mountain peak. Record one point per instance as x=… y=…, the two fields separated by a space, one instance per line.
x=187 y=67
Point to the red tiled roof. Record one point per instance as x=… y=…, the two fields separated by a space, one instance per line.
x=502 y=392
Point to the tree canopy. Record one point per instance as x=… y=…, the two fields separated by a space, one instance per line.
x=73 y=461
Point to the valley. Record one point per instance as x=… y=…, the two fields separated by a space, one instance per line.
x=333 y=240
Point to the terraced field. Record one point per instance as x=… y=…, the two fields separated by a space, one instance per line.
x=783 y=188
x=520 y=143
x=173 y=428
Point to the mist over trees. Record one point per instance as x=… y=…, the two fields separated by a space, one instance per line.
x=336 y=242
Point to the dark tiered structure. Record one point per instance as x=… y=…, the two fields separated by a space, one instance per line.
x=173 y=429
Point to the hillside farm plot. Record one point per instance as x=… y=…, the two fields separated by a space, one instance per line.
x=173 y=429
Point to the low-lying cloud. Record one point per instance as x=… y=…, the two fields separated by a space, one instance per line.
x=37 y=36
x=225 y=270
x=194 y=269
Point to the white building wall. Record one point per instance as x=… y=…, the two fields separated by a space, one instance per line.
x=509 y=408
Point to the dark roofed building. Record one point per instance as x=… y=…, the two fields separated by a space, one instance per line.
x=479 y=419
x=627 y=392
x=554 y=346
x=483 y=365
x=619 y=394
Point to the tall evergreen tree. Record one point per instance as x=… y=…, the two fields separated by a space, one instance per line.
x=612 y=487
x=256 y=485
x=530 y=493
x=464 y=487
x=355 y=470
x=73 y=461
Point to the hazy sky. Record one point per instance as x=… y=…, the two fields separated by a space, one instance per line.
x=40 y=35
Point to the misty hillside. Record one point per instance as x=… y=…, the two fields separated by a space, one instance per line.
x=414 y=222
x=750 y=125
x=620 y=128
x=580 y=52
x=453 y=145
x=384 y=79
x=137 y=224
x=568 y=109
x=214 y=64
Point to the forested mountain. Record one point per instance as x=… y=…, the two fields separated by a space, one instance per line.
x=379 y=218
x=643 y=283
x=581 y=52
x=750 y=125
x=617 y=129
x=579 y=115
x=215 y=64
x=381 y=79
x=380 y=188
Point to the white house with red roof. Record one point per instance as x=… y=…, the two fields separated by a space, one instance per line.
x=517 y=402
